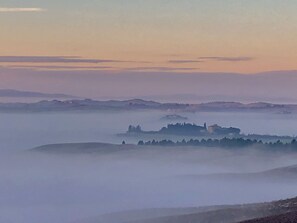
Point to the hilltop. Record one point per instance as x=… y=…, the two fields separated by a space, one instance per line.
x=188 y=131
x=139 y=104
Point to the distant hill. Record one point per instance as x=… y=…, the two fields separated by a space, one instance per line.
x=133 y=104
x=79 y=105
x=82 y=148
x=30 y=94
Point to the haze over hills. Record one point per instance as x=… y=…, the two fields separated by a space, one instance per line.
x=139 y=104
x=192 y=87
x=148 y=111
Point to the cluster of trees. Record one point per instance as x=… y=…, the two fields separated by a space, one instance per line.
x=184 y=129
x=134 y=129
x=187 y=129
x=225 y=143
x=218 y=130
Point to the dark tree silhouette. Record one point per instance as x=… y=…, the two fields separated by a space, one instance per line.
x=225 y=143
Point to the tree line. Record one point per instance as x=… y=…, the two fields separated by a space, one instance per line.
x=224 y=142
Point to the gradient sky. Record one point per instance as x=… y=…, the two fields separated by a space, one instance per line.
x=243 y=36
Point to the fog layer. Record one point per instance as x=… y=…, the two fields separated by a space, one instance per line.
x=24 y=131
x=40 y=187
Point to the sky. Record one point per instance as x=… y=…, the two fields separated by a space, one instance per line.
x=141 y=36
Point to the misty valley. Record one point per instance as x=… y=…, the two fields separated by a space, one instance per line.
x=86 y=166
x=148 y=111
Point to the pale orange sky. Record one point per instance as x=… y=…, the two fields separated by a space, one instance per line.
x=151 y=33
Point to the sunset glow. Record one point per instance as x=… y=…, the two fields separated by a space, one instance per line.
x=151 y=33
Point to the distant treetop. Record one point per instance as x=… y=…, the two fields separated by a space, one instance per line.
x=187 y=129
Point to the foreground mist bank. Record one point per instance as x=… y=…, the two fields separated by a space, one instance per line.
x=69 y=182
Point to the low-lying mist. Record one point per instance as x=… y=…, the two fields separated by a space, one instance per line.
x=39 y=187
